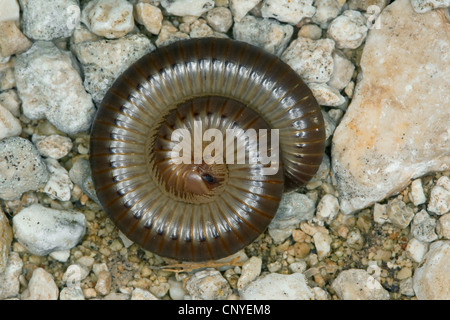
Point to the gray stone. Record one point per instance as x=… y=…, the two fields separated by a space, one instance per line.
x=21 y=168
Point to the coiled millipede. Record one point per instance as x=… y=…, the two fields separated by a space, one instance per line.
x=200 y=211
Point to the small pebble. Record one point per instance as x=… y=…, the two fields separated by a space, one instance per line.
x=250 y=271
x=342 y=72
x=10 y=10
x=187 y=7
x=41 y=287
x=10 y=100
x=310 y=31
x=443 y=226
x=109 y=18
x=327 y=208
x=12 y=40
x=71 y=294
x=267 y=34
x=220 y=19
x=42 y=20
x=311 y=59
x=357 y=284
x=103 y=285
x=21 y=168
x=416 y=249
x=290 y=11
x=399 y=213
x=53 y=146
x=208 y=284
x=379 y=213
x=42 y=230
x=140 y=294
x=423 y=227
x=423 y=6
x=9 y=125
x=327 y=10
x=239 y=8
x=417 y=194
x=9 y=278
x=294 y=208
x=59 y=184
x=432 y=279
x=439 y=201
x=274 y=286
x=149 y=16
x=322 y=242
x=326 y=95
x=348 y=30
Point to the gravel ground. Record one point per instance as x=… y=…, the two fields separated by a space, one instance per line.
x=53 y=72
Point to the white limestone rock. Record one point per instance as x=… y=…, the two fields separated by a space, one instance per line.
x=423 y=227
x=443 y=226
x=326 y=11
x=9 y=278
x=416 y=249
x=21 y=168
x=294 y=208
x=9 y=125
x=439 y=201
x=327 y=208
x=187 y=7
x=342 y=71
x=49 y=19
x=422 y=6
x=267 y=34
x=10 y=100
x=208 y=284
x=251 y=269
x=290 y=11
x=50 y=87
x=220 y=19
x=357 y=284
x=239 y=8
x=149 y=16
x=417 y=194
x=41 y=287
x=58 y=185
x=432 y=278
x=109 y=18
x=10 y=11
x=53 y=146
x=348 y=30
x=43 y=230
x=311 y=59
x=274 y=286
x=326 y=95
x=104 y=60
x=397 y=125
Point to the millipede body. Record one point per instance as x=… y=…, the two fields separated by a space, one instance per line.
x=201 y=210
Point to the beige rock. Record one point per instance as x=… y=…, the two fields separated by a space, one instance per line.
x=397 y=126
x=41 y=287
x=6 y=236
x=432 y=279
x=12 y=40
x=357 y=284
x=10 y=10
x=149 y=16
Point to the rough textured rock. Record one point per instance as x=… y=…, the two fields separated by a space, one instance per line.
x=12 y=40
x=109 y=18
x=290 y=11
x=264 y=33
x=9 y=125
x=187 y=7
x=357 y=284
x=276 y=286
x=42 y=230
x=422 y=6
x=104 y=60
x=208 y=285
x=397 y=126
x=432 y=279
x=50 y=87
x=49 y=19
x=41 y=287
x=9 y=279
x=21 y=168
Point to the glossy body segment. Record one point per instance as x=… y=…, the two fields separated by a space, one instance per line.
x=225 y=84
